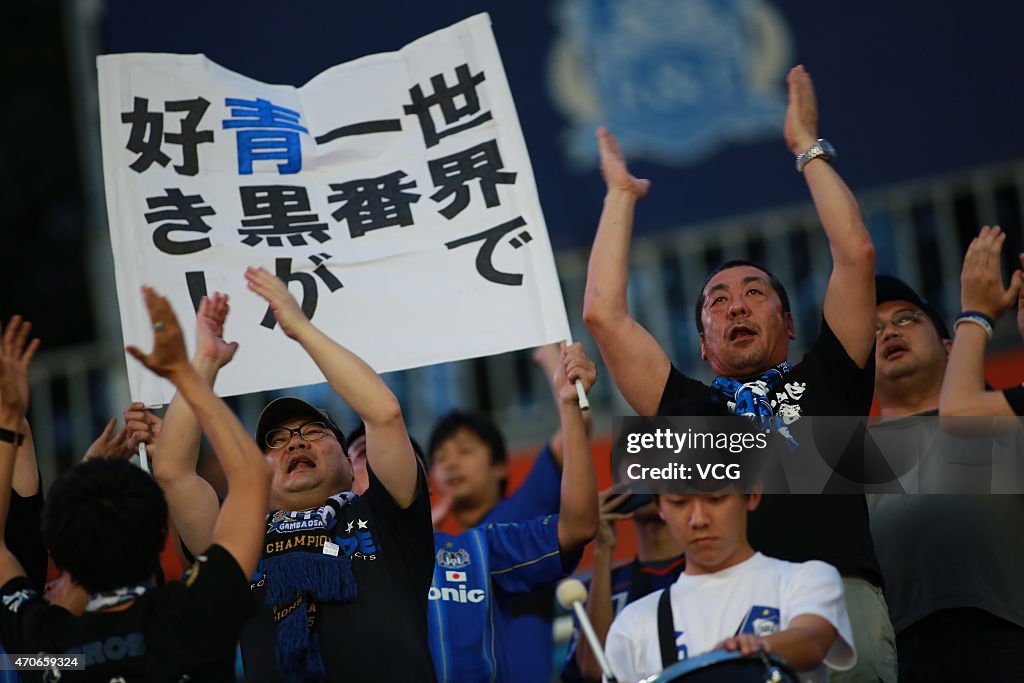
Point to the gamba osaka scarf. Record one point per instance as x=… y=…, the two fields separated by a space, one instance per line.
x=302 y=567
x=753 y=400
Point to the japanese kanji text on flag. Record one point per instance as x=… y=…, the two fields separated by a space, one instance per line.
x=393 y=193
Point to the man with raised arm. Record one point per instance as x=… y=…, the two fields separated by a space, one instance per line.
x=957 y=615
x=467 y=456
x=745 y=325
x=479 y=569
x=105 y=523
x=982 y=300
x=343 y=579
x=21 y=531
x=23 y=520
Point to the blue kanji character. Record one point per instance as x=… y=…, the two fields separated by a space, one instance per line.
x=270 y=132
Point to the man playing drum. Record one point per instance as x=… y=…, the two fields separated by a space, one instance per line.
x=732 y=598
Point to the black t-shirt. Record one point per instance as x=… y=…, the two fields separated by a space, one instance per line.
x=382 y=634
x=1015 y=397
x=185 y=630
x=829 y=527
x=23 y=538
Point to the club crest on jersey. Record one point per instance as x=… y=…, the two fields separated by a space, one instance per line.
x=762 y=621
x=453 y=559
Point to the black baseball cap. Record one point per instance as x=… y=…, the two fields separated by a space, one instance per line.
x=288 y=408
x=889 y=288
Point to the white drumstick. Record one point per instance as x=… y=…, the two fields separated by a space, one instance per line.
x=572 y=594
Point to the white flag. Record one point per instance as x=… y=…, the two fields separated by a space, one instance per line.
x=394 y=193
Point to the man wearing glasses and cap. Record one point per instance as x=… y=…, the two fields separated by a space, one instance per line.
x=958 y=614
x=343 y=579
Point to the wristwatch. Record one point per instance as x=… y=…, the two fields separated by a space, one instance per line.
x=822 y=148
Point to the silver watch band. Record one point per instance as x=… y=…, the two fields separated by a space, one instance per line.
x=821 y=148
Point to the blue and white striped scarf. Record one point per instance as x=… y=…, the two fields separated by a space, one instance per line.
x=300 y=571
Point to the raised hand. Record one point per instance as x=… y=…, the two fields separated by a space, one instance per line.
x=143 y=427
x=168 y=356
x=608 y=500
x=210 y=318
x=575 y=365
x=613 y=166
x=16 y=354
x=286 y=309
x=110 y=443
x=801 y=127
x=981 y=278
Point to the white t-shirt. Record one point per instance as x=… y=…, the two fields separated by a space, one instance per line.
x=760 y=595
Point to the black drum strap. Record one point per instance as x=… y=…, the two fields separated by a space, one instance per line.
x=666 y=631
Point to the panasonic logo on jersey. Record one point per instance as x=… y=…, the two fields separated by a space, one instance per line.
x=459 y=594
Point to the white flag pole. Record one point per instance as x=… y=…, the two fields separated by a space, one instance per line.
x=580 y=392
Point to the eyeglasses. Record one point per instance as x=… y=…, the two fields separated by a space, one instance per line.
x=901 y=319
x=311 y=431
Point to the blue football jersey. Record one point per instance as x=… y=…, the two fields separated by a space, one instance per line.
x=528 y=615
x=467 y=631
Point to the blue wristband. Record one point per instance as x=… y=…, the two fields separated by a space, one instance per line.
x=978 y=314
x=980 y=319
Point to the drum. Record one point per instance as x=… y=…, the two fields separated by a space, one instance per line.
x=720 y=666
